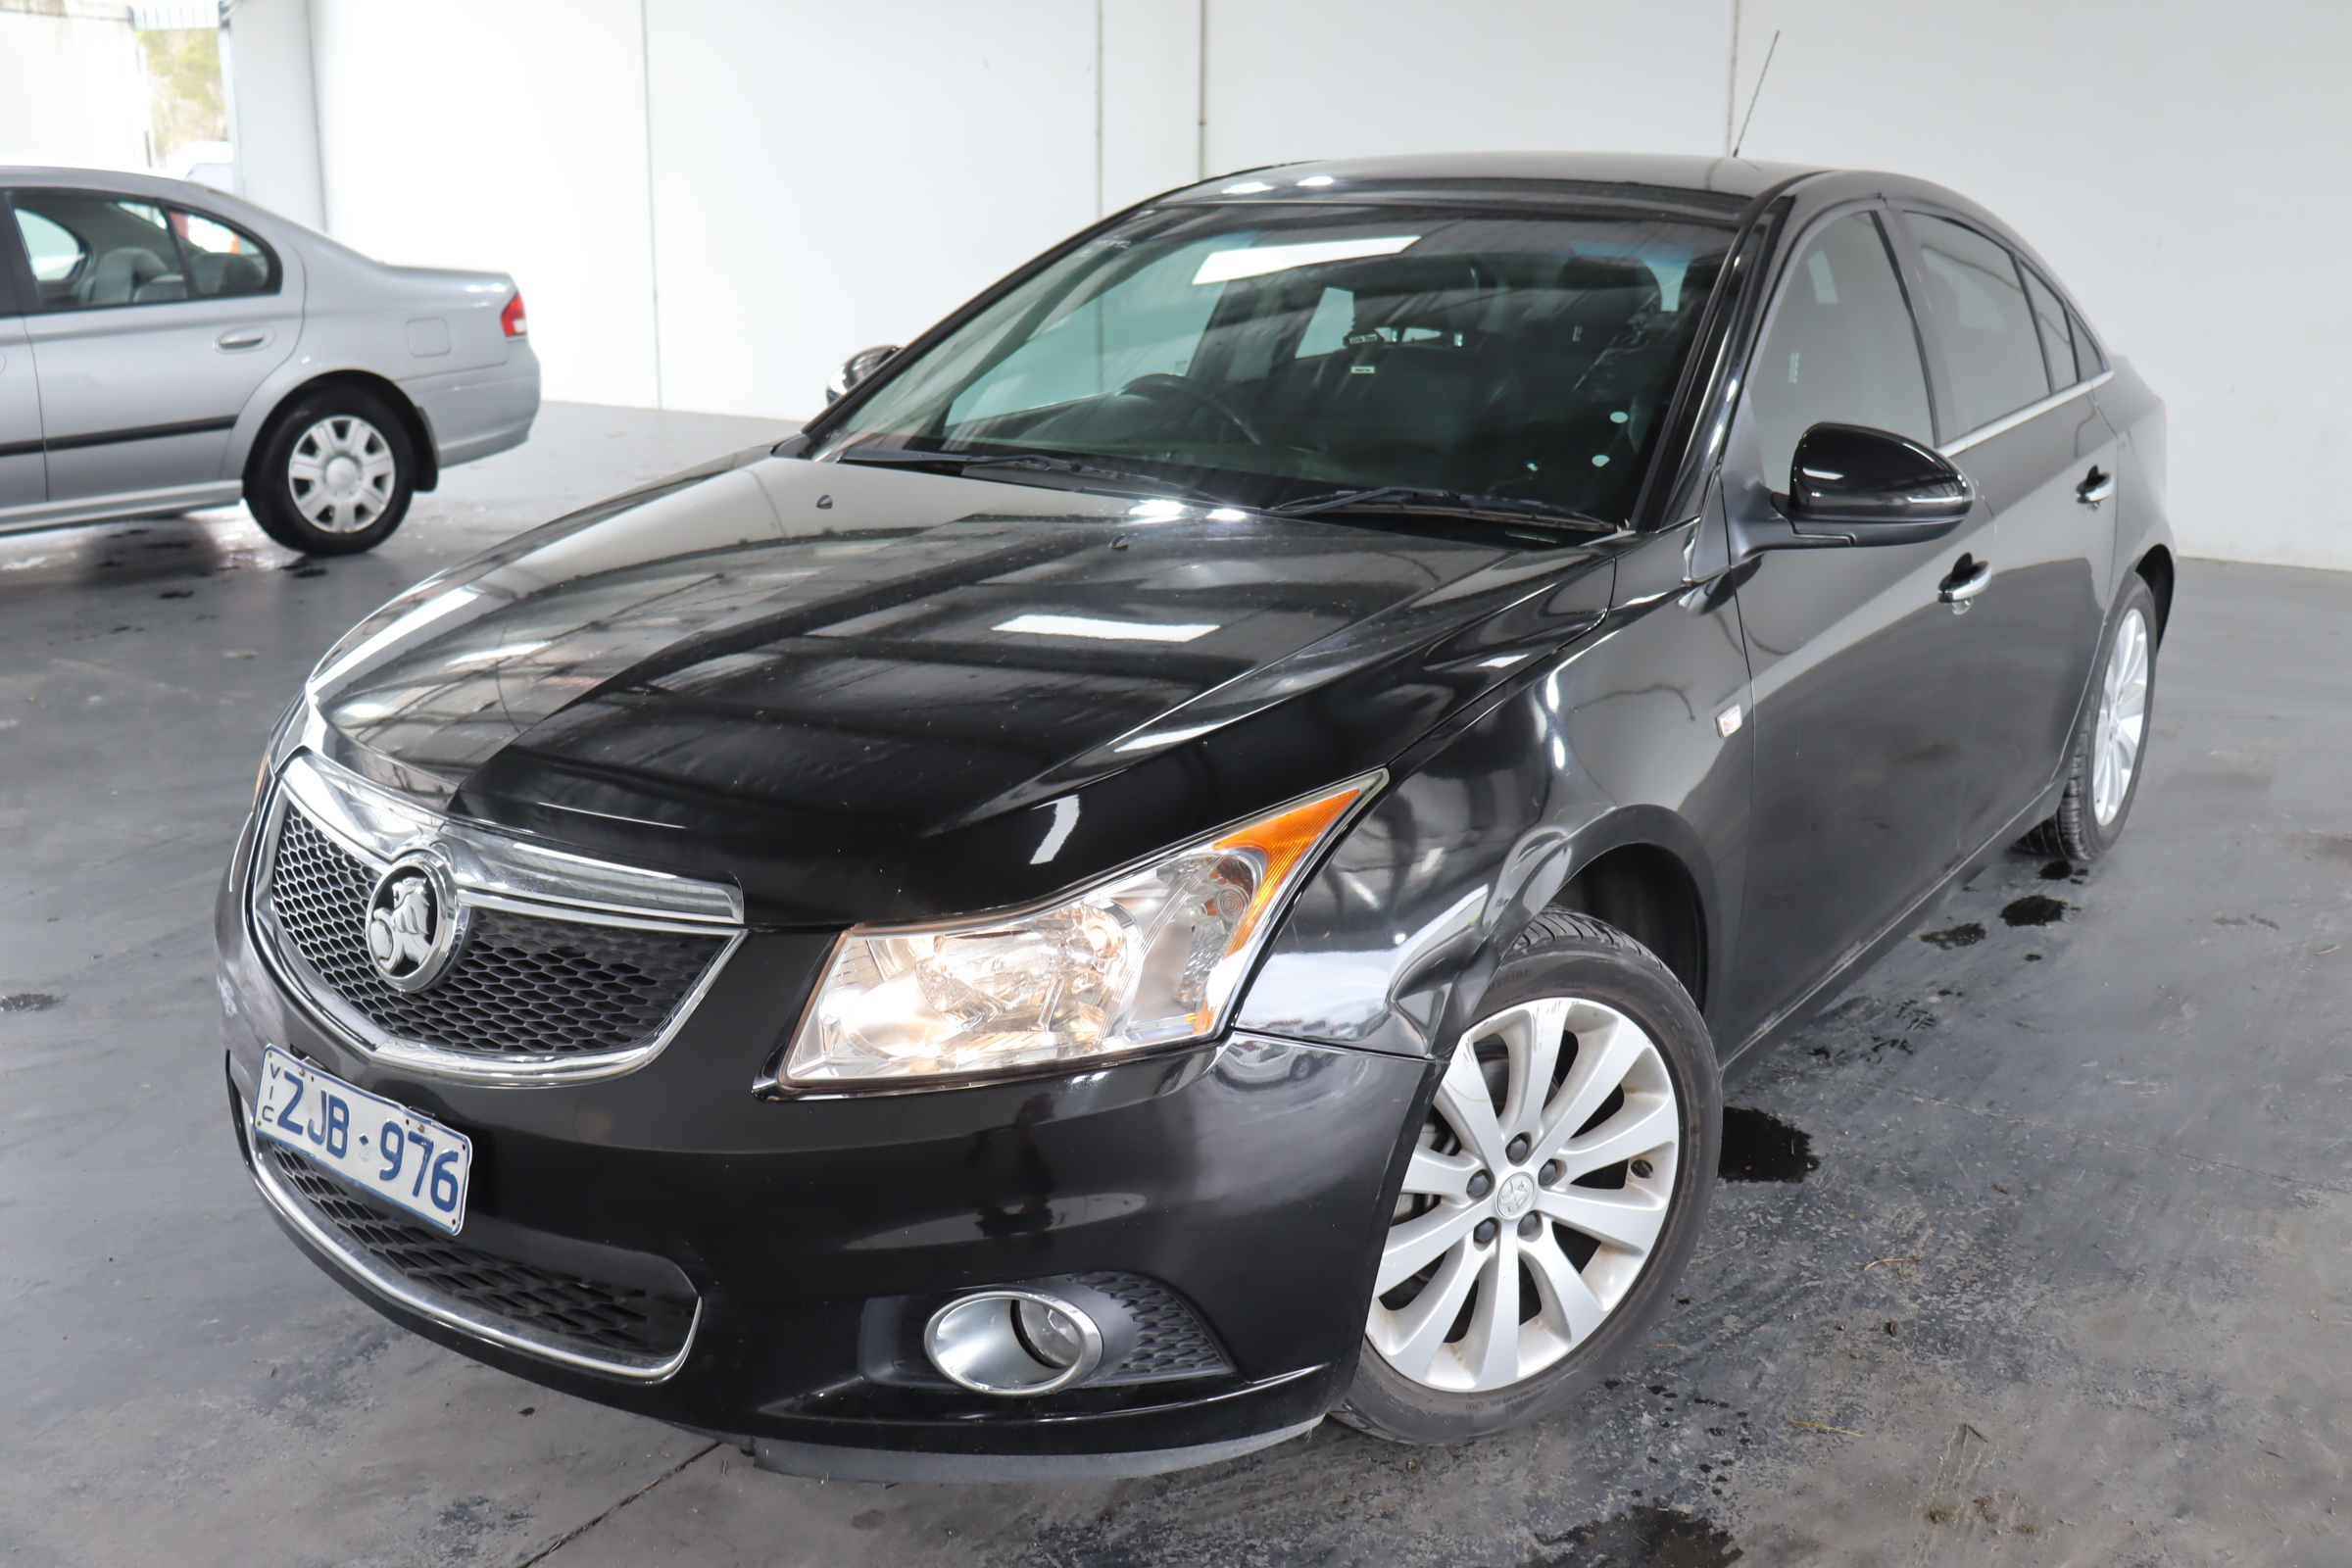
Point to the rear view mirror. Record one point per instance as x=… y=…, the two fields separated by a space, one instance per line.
x=1867 y=487
x=857 y=367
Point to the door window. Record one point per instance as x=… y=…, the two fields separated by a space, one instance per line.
x=1843 y=347
x=1979 y=302
x=92 y=252
x=2057 y=338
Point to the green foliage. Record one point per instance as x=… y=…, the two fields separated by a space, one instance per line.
x=183 y=93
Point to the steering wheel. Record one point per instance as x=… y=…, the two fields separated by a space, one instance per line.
x=1159 y=387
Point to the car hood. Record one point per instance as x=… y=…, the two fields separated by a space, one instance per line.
x=866 y=694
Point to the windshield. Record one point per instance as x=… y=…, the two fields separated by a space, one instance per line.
x=1264 y=353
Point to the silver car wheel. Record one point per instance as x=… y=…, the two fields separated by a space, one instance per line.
x=1498 y=1262
x=342 y=474
x=2123 y=716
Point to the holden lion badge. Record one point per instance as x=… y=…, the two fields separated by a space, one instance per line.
x=414 y=921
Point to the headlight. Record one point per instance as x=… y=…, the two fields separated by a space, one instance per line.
x=1149 y=957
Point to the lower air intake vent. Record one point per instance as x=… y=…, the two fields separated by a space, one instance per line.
x=599 y=1321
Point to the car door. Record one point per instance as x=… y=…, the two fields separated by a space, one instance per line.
x=155 y=325
x=2036 y=447
x=1864 y=676
x=22 y=481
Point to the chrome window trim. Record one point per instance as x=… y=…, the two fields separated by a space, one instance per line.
x=375 y=827
x=383 y=1282
x=2031 y=411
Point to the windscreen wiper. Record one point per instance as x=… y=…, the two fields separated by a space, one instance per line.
x=1444 y=504
x=1034 y=462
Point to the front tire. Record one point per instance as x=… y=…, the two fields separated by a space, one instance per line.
x=2106 y=761
x=333 y=475
x=1553 y=1195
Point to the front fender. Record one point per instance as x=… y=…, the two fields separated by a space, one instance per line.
x=1614 y=743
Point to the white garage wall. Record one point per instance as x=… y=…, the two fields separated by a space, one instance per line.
x=2165 y=159
x=822 y=176
x=1298 y=79
x=73 y=86
x=507 y=136
x=883 y=160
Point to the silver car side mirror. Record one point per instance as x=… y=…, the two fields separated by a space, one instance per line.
x=855 y=368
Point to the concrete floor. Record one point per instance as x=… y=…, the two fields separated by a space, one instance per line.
x=2068 y=1285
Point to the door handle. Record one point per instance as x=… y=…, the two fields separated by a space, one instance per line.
x=243 y=337
x=2095 y=488
x=1968 y=578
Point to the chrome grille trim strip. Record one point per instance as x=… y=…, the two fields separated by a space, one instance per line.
x=384 y=1283
x=378 y=826
x=375 y=827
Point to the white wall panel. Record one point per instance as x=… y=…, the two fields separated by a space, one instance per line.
x=832 y=176
x=503 y=134
x=73 y=89
x=2178 y=165
x=1303 y=79
x=1150 y=98
x=826 y=176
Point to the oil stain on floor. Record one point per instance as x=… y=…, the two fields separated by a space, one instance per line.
x=1649 y=1537
x=1757 y=1147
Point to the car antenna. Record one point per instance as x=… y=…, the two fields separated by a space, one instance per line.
x=1758 y=93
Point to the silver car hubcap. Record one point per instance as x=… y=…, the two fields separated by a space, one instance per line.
x=341 y=474
x=1537 y=1192
x=2123 y=716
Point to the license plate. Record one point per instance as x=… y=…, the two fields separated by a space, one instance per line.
x=375 y=1143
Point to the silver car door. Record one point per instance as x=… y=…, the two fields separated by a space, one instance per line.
x=21 y=480
x=149 y=344
x=23 y=483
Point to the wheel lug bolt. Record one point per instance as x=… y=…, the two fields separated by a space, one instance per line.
x=1482 y=1183
x=1550 y=1173
x=1640 y=1167
x=1518 y=1148
x=1530 y=1226
x=1487 y=1231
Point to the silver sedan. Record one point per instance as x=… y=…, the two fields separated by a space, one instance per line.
x=165 y=347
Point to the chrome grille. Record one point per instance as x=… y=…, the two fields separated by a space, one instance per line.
x=472 y=1284
x=524 y=986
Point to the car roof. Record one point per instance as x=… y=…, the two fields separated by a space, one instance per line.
x=1704 y=184
x=124 y=182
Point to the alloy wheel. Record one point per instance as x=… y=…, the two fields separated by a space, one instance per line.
x=1537 y=1192
x=2123 y=716
x=342 y=474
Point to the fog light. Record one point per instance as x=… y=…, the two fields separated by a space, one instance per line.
x=1013 y=1342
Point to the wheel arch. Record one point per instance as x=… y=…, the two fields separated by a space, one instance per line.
x=414 y=423
x=1644 y=890
x=2155 y=569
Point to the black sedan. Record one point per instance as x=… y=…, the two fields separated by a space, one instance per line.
x=1191 y=856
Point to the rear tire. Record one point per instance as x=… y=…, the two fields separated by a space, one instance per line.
x=2110 y=752
x=333 y=475
x=1514 y=1275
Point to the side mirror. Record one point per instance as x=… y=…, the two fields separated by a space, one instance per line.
x=1854 y=485
x=855 y=368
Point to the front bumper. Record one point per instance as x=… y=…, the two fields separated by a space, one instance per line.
x=1246 y=1176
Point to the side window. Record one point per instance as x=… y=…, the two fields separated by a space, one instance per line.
x=57 y=257
x=1979 y=301
x=222 y=260
x=2057 y=338
x=1328 y=328
x=126 y=253
x=1841 y=347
